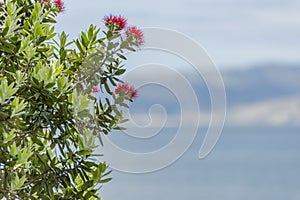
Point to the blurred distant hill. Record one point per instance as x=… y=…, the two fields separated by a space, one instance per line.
x=266 y=95
x=256 y=84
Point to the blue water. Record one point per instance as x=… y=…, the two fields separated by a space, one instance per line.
x=246 y=164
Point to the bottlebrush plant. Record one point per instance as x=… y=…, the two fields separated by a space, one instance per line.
x=49 y=116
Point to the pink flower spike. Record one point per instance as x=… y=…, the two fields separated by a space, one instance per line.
x=60 y=5
x=118 y=21
x=45 y=2
x=137 y=34
x=96 y=89
x=129 y=91
x=133 y=92
x=122 y=87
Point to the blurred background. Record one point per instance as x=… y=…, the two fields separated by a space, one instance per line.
x=255 y=45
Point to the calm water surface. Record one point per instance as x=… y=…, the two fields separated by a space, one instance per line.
x=247 y=164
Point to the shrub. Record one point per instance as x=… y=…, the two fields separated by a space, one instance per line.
x=49 y=116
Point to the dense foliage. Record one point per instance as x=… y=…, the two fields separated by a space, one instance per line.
x=49 y=116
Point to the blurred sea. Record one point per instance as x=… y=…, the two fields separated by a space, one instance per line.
x=247 y=163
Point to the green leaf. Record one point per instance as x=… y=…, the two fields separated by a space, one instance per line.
x=122 y=56
x=17 y=107
x=17 y=183
x=87 y=185
x=120 y=72
x=6 y=91
x=105 y=180
x=63 y=39
x=9 y=137
x=20 y=77
x=58 y=70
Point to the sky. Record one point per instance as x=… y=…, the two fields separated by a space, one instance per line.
x=235 y=33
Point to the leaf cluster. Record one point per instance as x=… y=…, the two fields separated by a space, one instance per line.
x=49 y=116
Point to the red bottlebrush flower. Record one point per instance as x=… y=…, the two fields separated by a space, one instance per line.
x=45 y=2
x=96 y=89
x=60 y=5
x=127 y=89
x=122 y=87
x=133 y=92
x=136 y=35
x=118 y=21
